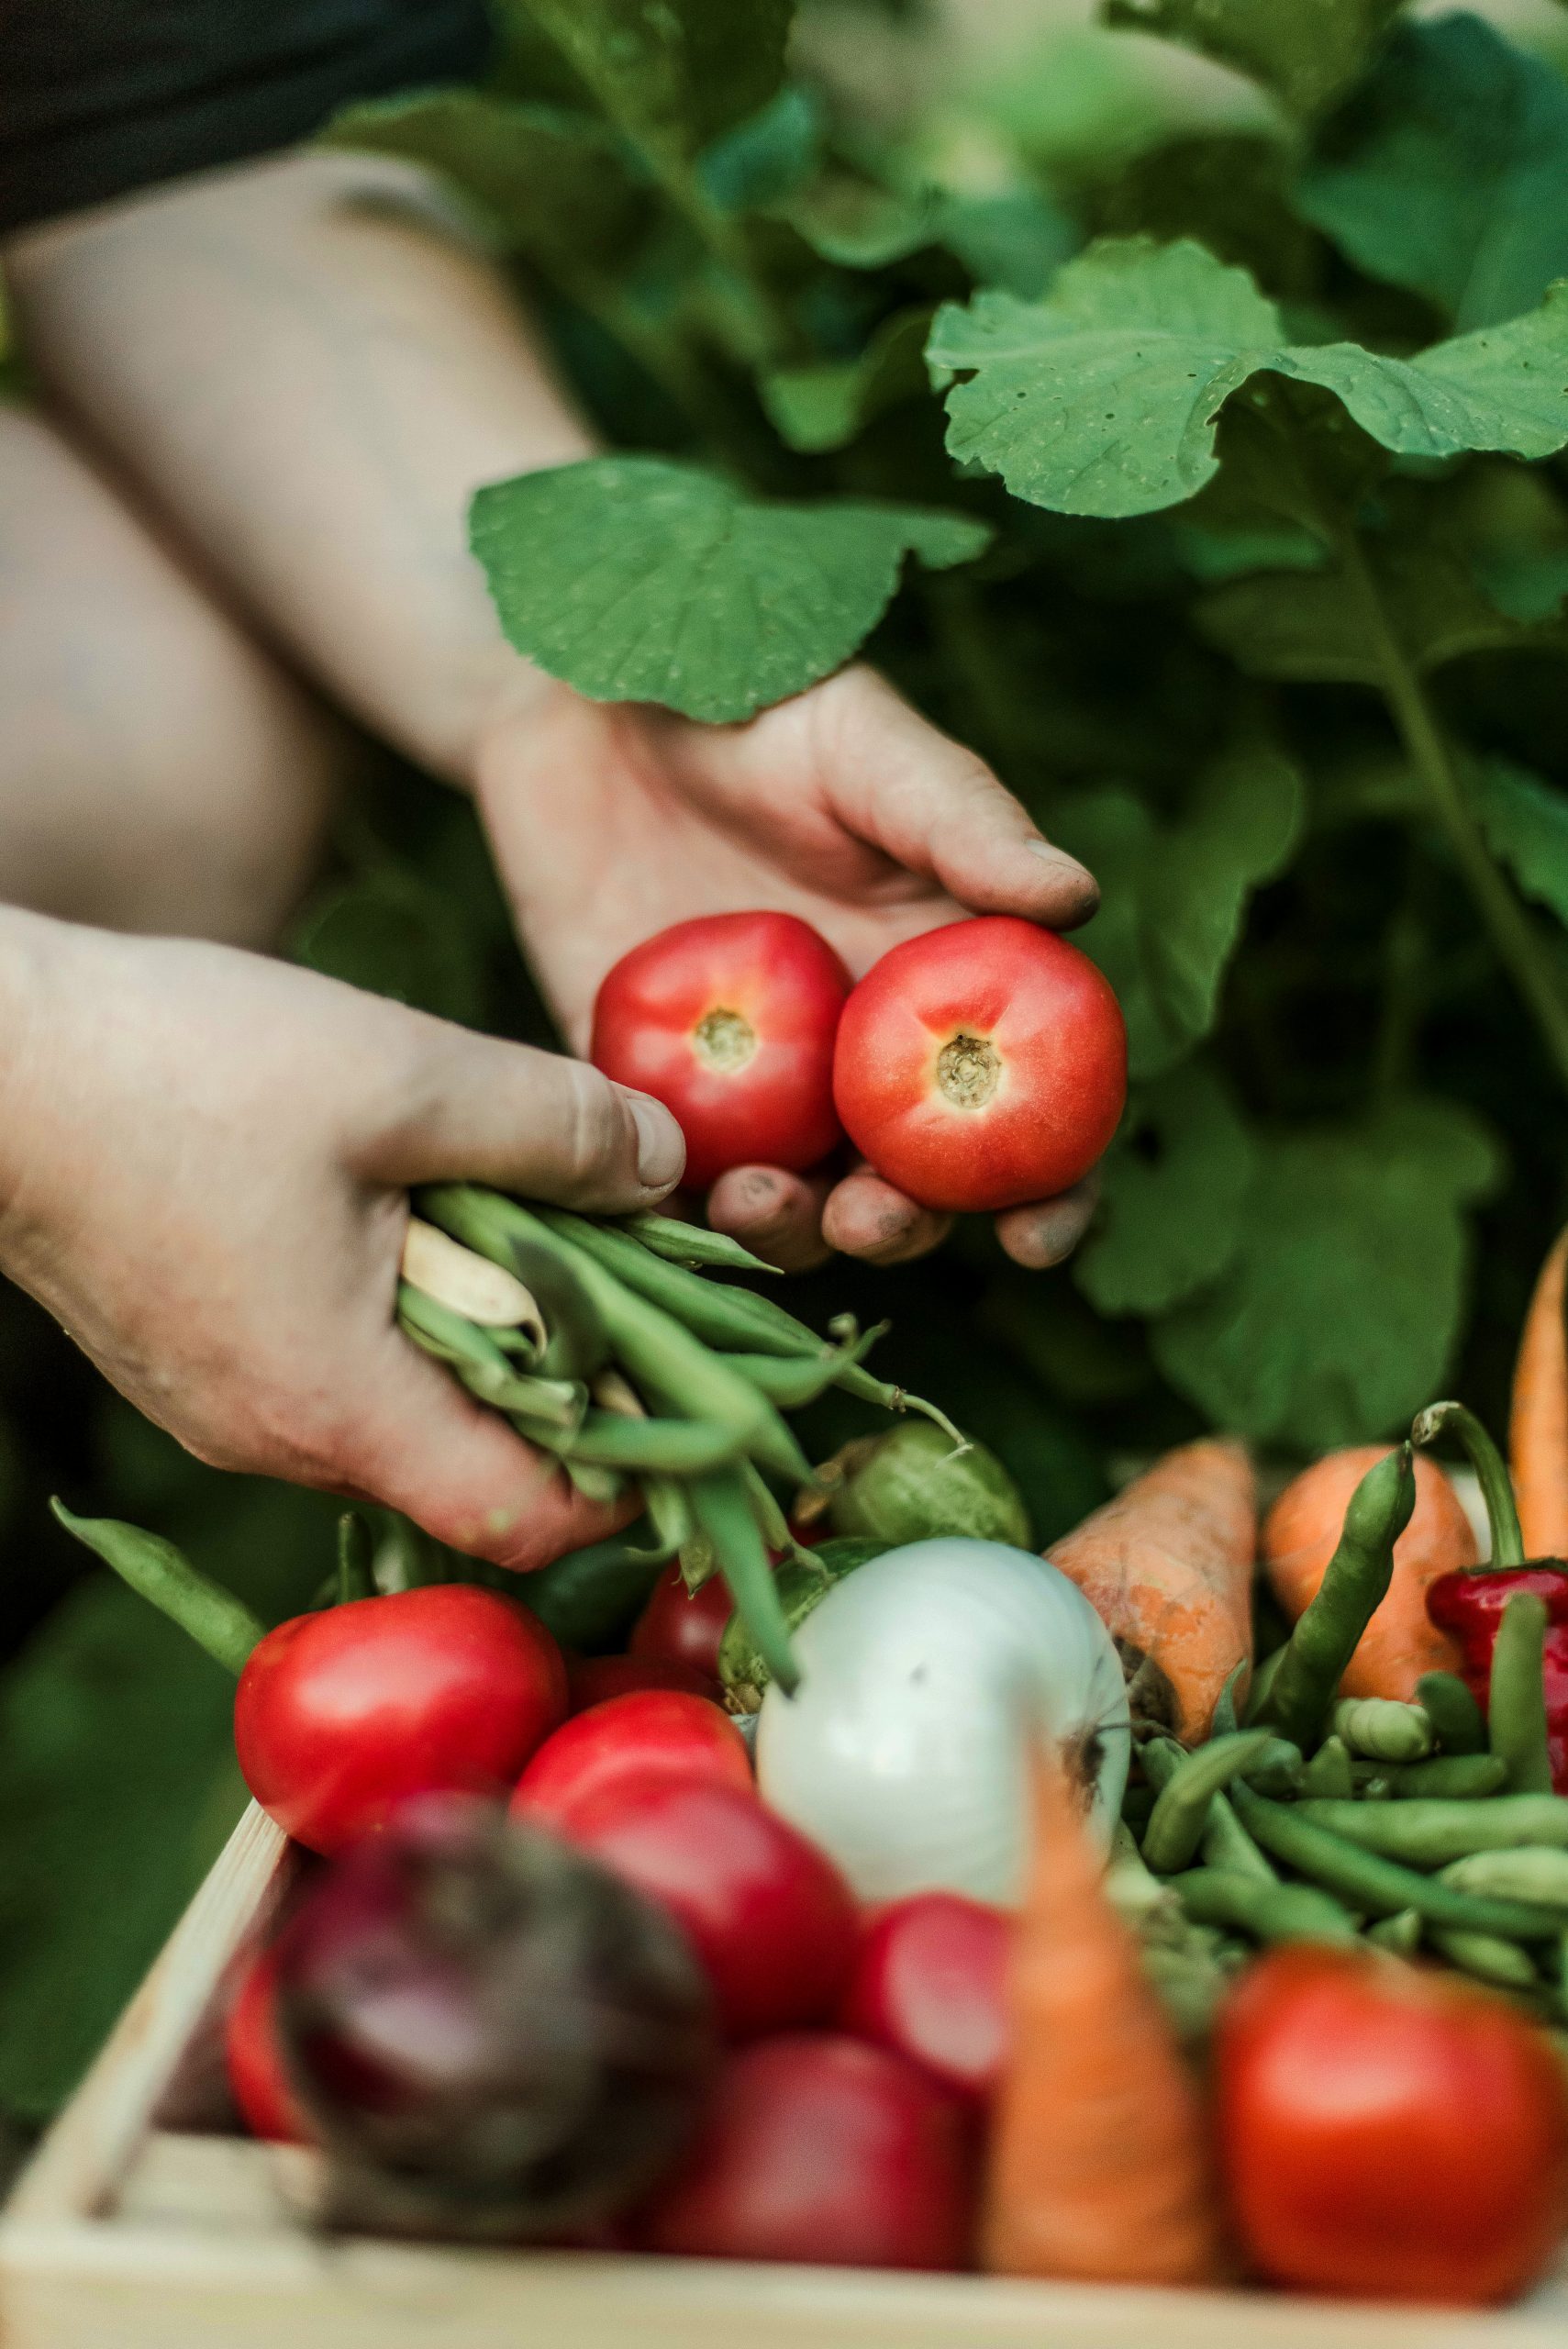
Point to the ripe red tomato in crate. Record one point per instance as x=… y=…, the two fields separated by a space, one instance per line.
x=729 y=1021
x=650 y=1733
x=929 y=1981
x=684 y=1626
x=982 y=1065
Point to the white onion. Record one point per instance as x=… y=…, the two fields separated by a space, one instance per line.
x=929 y=1676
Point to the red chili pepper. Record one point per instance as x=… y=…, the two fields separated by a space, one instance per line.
x=1469 y=1603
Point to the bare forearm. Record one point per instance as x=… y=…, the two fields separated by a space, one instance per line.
x=312 y=384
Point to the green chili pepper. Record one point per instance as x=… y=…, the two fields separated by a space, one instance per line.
x=1354 y=1586
x=591 y=1598
x=1328 y=1772
x=1516 y=1701
x=1400 y=1934
x=1456 y=1777
x=1270 y=1912
x=1367 y=1880
x=1383 y=1728
x=1227 y=1845
x=1489 y=1956
x=724 y=1512
x=1526 y=1872
x=1428 y=1835
x=214 y=1617
x=694 y=1244
x=1176 y=1827
x=356 y=1557
x=1453 y=1711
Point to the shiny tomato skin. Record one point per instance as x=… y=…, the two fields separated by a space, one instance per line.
x=1389 y=2133
x=1031 y=1030
x=685 y=1625
x=648 y=1733
x=729 y=1021
x=820 y=2148
x=770 y=1917
x=595 y=1679
x=253 y=2058
x=341 y=1717
x=930 y=1982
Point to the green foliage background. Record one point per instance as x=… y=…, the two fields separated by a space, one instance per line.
x=1189 y=444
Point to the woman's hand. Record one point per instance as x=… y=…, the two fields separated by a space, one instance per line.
x=205 y=1160
x=610 y=820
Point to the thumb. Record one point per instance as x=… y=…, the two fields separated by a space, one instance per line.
x=423 y=1446
x=534 y=1122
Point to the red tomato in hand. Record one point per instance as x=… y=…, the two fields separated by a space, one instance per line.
x=772 y=1920
x=929 y=1981
x=595 y=1679
x=685 y=1625
x=255 y=2058
x=341 y=1717
x=729 y=1021
x=821 y=2149
x=982 y=1066
x=1389 y=2132
x=650 y=1734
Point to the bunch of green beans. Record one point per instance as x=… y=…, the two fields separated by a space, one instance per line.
x=1424 y=1829
x=634 y=1366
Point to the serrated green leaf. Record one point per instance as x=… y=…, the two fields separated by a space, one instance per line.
x=1525 y=822
x=1169 y=1221
x=826 y=404
x=551 y=182
x=640 y=580
x=673 y=74
x=1306 y=52
x=1175 y=894
x=1103 y=397
x=1447 y=172
x=392 y=933
x=1338 y=1316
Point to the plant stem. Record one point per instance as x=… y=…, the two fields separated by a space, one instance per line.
x=1506 y=923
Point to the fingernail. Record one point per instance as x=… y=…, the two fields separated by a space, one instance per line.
x=1068 y=867
x=660 y=1145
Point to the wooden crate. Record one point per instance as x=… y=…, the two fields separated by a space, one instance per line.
x=144 y=2223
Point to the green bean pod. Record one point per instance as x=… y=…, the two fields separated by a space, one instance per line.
x=1487 y=1956
x=1176 y=1827
x=1227 y=1845
x=1428 y=1835
x=1453 y=1711
x=1354 y=1585
x=1454 y=1778
x=1269 y=1912
x=356 y=1557
x=1516 y=1699
x=1226 y=1716
x=1277 y=1770
x=1263 y=1682
x=694 y=1244
x=1526 y=1872
x=668 y=1447
x=1366 y=1880
x=724 y=1512
x=1328 y=1772
x=1383 y=1729
x=1400 y=1934
x=160 y=1572
x=791 y=1384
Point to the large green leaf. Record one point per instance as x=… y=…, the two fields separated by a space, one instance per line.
x=1448 y=171
x=1526 y=824
x=550 y=181
x=1103 y=397
x=1170 y=1217
x=640 y=580
x=1175 y=893
x=1338 y=1316
x=1306 y=52
x=675 y=74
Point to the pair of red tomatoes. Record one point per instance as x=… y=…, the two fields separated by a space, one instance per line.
x=978 y=1067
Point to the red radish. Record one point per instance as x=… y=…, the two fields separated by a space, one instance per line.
x=729 y=1021
x=595 y=1679
x=930 y=1982
x=341 y=1718
x=982 y=1065
x=684 y=1626
x=650 y=1733
x=253 y=2057
x=771 y=1921
x=819 y=2148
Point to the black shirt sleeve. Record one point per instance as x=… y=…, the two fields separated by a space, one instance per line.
x=101 y=97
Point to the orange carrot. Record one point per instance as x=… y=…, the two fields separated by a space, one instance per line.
x=1098 y=2166
x=1168 y=1568
x=1538 y=1428
x=1299 y=1537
